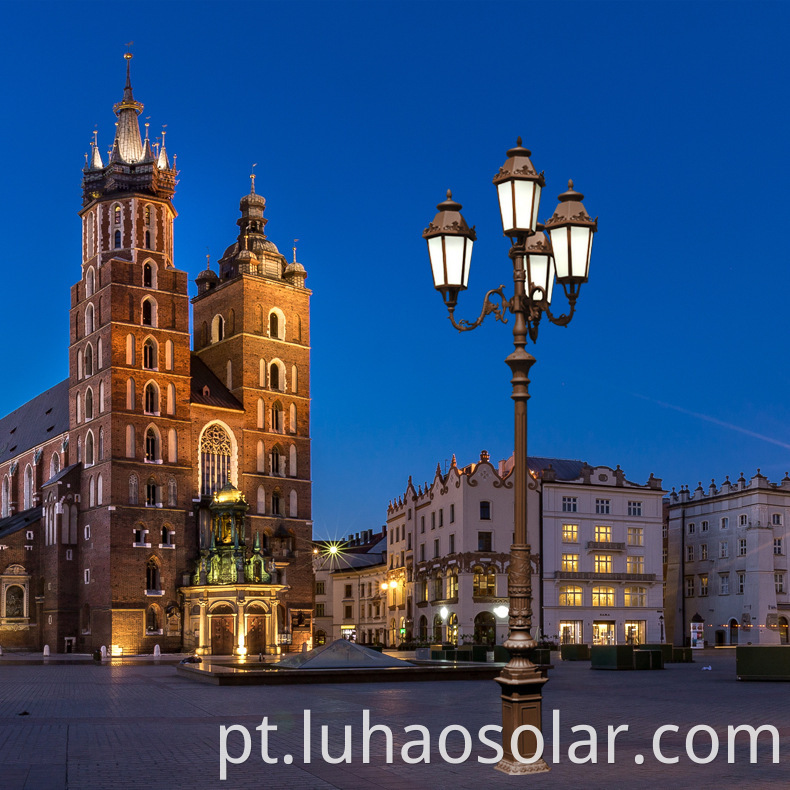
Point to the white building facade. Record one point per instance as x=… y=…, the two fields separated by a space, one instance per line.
x=727 y=571
x=596 y=541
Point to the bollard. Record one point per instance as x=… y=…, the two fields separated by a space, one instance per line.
x=157 y=651
x=46 y=650
x=304 y=647
x=103 y=652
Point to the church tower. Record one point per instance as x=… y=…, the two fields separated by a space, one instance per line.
x=129 y=395
x=251 y=326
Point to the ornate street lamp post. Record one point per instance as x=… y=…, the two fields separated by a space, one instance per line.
x=536 y=261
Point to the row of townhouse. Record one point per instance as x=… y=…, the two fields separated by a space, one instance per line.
x=438 y=569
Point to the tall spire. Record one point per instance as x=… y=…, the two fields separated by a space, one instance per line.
x=127 y=133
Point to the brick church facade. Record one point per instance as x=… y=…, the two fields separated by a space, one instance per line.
x=112 y=528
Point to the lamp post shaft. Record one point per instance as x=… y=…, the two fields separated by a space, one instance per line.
x=521 y=681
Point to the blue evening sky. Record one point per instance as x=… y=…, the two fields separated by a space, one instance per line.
x=672 y=119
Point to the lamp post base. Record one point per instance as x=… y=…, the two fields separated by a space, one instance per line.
x=521 y=683
x=515 y=768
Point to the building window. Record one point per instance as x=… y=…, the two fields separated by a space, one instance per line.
x=569 y=504
x=89 y=404
x=277 y=418
x=603 y=534
x=117 y=240
x=742 y=547
x=28 y=490
x=320 y=610
x=664 y=554
x=320 y=588
x=149 y=355
x=150 y=493
x=635 y=564
x=602 y=596
x=665 y=530
x=741 y=583
x=452 y=543
x=422 y=552
x=778 y=546
x=483 y=580
x=689 y=586
x=151 y=445
x=776 y=519
x=276 y=504
x=724 y=583
x=436 y=548
x=151 y=399
x=152 y=581
x=703 y=585
x=484 y=541
x=743 y=519
x=636 y=536
x=602 y=563
x=172 y=492
x=602 y=507
x=215 y=455
x=485 y=510
x=86 y=576
x=689 y=554
x=217 y=328
x=133 y=489
x=704 y=526
x=89 y=456
x=570 y=595
x=570 y=563
x=422 y=524
x=725 y=523
x=570 y=533
x=634 y=508
x=148 y=275
x=452 y=585
x=703 y=551
x=149 y=312
x=635 y=596
x=452 y=514
x=438 y=587
x=441 y=517
x=692 y=529
x=348 y=591
x=779 y=582
x=724 y=549
x=433 y=520
x=167 y=536
x=274 y=376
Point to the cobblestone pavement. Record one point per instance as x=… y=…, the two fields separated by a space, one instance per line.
x=123 y=727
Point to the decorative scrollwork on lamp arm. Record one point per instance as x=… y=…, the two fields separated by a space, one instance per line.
x=489 y=306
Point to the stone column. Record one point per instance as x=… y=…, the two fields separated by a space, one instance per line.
x=203 y=648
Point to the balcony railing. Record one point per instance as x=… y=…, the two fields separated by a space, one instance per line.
x=608 y=577
x=604 y=545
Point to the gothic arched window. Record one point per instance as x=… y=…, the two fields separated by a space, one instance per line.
x=88 y=360
x=117 y=240
x=151 y=445
x=149 y=355
x=151 y=398
x=152 y=580
x=215 y=455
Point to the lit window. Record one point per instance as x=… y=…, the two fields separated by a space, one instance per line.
x=603 y=534
x=703 y=585
x=570 y=563
x=602 y=563
x=215 y=454
x=570 y=533
x=602 y=596
x=570 y=595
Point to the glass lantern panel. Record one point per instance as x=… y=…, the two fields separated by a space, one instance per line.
x=526 y=210
x=455 y=257
x=535 y=207
x=505 y=195
x=561 y=247
x=581 y=244
x=436 y=254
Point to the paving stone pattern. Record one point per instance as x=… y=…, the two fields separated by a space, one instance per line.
x=124 y=727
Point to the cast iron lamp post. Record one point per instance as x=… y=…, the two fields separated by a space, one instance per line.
x=536 y=261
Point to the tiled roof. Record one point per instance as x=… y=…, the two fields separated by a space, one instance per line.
x=12 y=524
x=565 y=469
x=36 y=422
x=208 y=390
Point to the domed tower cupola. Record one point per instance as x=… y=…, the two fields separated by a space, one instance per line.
x=251 y=222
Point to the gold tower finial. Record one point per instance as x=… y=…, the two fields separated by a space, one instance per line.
x=208 y=259
x=252 y=178
x=294 y=249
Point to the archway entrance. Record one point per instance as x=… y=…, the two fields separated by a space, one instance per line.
x=256 y=631
x=783 y=624
x=485 y=628
x=222 y=630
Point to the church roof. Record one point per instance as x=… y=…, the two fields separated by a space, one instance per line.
x=12 y=524
x=36 y=422
x=208 y=390
x=564 y=467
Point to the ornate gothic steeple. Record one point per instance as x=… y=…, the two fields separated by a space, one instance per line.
x=132 y=166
